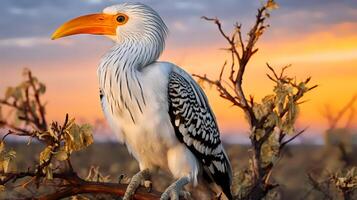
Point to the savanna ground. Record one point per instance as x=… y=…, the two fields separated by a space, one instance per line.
x=290 y=172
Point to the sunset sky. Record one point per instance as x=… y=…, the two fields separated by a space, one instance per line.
x=319 y=39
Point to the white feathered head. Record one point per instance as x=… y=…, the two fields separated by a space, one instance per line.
x=126 y=21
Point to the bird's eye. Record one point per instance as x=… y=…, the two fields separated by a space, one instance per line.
x=121 y=19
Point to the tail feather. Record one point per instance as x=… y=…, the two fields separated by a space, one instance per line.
x=220 y=177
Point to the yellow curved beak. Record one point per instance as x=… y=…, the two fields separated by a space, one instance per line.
x=97 y=24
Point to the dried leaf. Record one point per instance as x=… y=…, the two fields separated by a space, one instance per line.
x=259 y=133
x=1 y=115
x=61 y=155
x=42 y=88
x=2 y=146
x=25 y=84
x=271 y=5
x=270 y=150
x=52 y=134
x=17 y=93
x=45 y=154
x=26 y=72
x=79 y=137
x=79 y=197
x=33 y=106
x=9 y=92
x=48 y=171
x=86 y=134
x=95 y=175
x=5 y=157
x=5 y=165
x=302 y=87
x=259 y=32
x=11 y=154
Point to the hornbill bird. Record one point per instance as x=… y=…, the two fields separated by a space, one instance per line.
x=155 y=108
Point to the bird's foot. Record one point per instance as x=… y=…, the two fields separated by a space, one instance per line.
x=175 y=190
x=135 y=183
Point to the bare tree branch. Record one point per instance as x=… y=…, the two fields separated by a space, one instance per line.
x=275 y=115
x=333 y=120
x=75 y=185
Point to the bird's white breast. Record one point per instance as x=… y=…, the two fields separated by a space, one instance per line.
x=151 y=134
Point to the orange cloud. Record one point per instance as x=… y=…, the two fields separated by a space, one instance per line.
x=328 y=55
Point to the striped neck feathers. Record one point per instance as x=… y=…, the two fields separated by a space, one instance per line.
x=119 y=78
x=131 y=53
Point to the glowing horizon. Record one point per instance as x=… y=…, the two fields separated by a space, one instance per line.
x=327 y=53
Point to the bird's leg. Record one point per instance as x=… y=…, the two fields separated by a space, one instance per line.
x=135 y=183
x=175 y=189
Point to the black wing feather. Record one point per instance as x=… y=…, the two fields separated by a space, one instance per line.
x=196 y=127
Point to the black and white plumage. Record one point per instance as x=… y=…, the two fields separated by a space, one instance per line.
x=196 y=126
x=155 y=108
